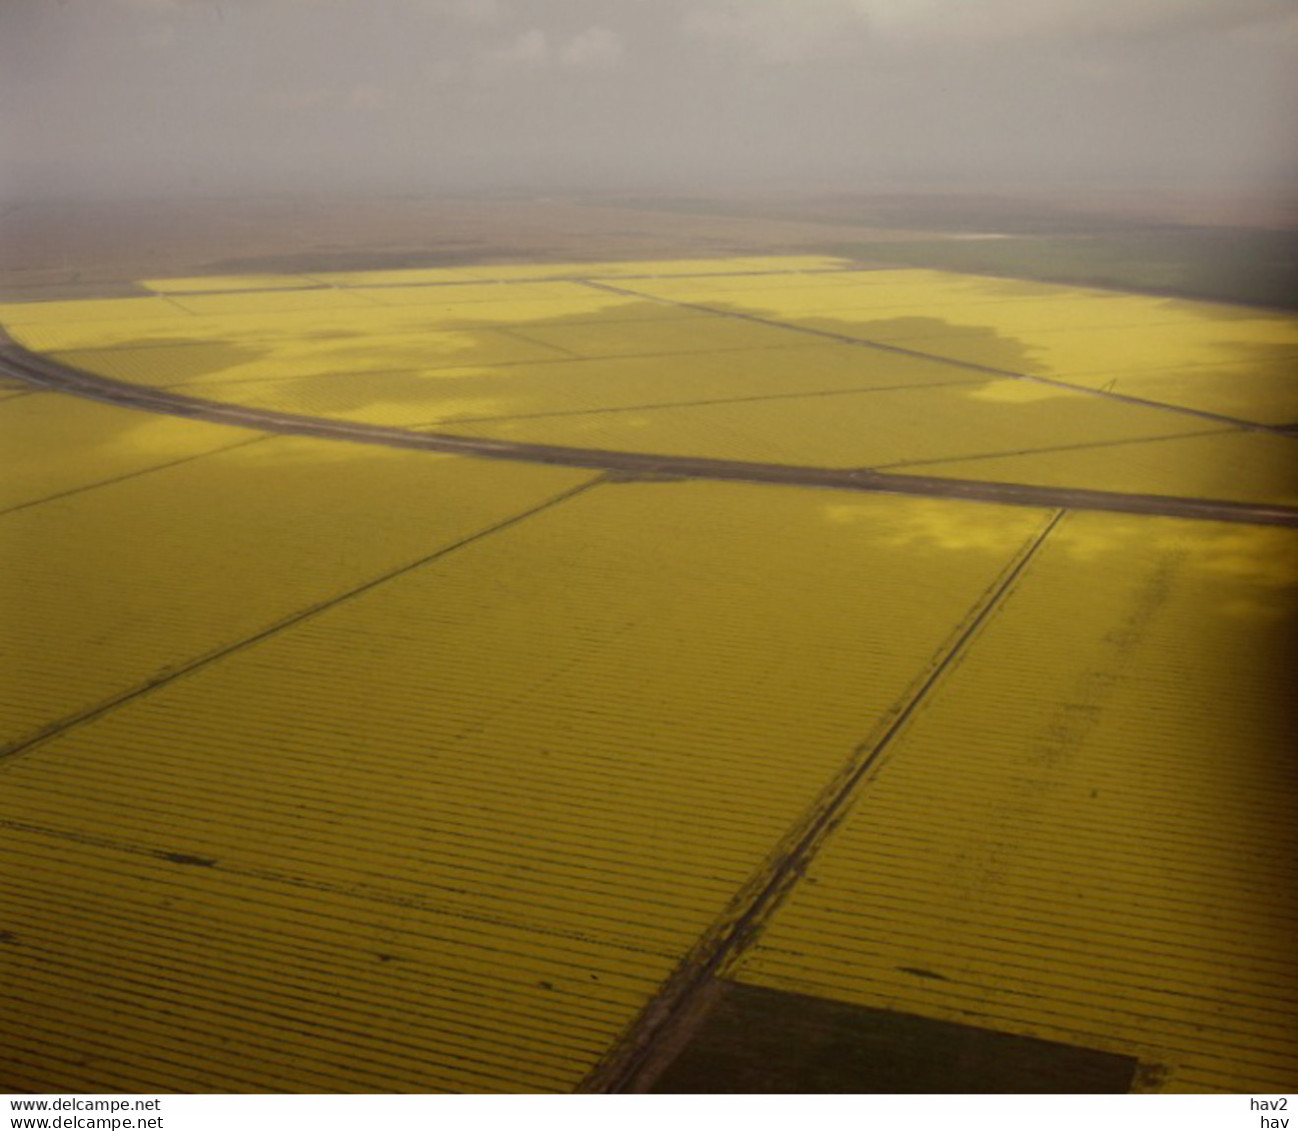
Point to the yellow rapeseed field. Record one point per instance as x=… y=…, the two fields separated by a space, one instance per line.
x=334 y=764
x=982 y=872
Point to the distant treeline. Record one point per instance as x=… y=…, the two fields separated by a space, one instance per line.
x=1243 y=265
x=1044 y=240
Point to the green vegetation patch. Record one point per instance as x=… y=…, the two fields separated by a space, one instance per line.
x=1243 y=265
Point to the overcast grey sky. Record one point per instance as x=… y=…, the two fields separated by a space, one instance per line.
x=218 y=96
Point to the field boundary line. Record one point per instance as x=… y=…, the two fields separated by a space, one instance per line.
x=45 y=373
x=97 y=710
x=664 y=1023
x=990 y=370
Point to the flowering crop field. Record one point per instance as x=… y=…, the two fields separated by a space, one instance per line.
x=453 y=680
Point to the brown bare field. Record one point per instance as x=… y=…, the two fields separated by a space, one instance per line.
x=83 y=246
x=69 y=249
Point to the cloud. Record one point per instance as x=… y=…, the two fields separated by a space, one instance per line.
x=966 y=23
x=778 y=31
x=783 y=31
x=482 y=12
x=596 y=48
x=528 y=49
x=100 y=93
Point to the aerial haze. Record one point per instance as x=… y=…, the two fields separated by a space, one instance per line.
x=110 y=98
